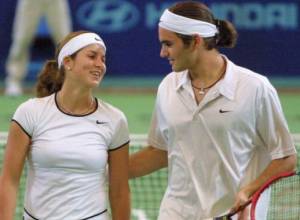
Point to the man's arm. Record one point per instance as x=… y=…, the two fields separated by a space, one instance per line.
x=146 y=161
x=275 y=167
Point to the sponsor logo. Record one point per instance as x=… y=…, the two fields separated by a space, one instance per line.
x=113 y=16
x=223 y=111
x=256 y=16
x=108 y=16
x=100 y=122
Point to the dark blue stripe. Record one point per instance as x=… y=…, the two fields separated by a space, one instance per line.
x=95 y=215
x=30 y=214
x=123 y=145
x=100 y=213
x=21 y=127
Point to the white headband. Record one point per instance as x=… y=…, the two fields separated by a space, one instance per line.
x=187 y=26
x=77 y=43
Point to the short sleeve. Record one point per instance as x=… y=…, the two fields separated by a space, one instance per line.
x=272 y=126
x=157 y=136
x=121 y=133
x=24 y=117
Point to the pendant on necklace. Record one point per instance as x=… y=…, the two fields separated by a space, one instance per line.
x=201 y=92
x=202 y=89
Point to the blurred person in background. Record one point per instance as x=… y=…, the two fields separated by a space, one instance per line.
x=27 y=18
x=218 y=127
x=68 y=137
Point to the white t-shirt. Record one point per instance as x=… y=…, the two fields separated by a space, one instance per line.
x=68 y=157
x=219 y=145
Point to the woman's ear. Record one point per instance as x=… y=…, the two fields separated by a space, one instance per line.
x=68 y=62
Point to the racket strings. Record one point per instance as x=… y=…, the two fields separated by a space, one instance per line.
x=285 y=199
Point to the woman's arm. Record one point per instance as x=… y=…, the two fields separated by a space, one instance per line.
x=15 y=154
x=119 y=192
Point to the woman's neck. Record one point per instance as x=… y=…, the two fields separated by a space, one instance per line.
x=75 y=101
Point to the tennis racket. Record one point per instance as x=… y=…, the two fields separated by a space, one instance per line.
x=277 y=199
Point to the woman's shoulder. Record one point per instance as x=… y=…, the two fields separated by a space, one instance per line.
x=36 y=103
x=110 y=109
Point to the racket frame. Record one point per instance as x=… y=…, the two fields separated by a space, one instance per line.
x=257 y=194
x=253 y=201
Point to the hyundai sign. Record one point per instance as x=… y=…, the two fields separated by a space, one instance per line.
x=268 y=43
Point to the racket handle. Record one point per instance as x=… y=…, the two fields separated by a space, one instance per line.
x=242 y=207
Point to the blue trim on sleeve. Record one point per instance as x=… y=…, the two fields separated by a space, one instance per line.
x=123 y=145
x=13 y=120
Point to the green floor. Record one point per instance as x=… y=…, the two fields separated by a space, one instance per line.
x=138 y=109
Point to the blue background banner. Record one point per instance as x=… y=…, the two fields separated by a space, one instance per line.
x=268 y=43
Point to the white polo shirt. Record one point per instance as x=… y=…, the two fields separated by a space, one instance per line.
x=218 y=145
x=68 y=157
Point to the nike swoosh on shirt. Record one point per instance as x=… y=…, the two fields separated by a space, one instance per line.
x=224 y=111
x=101 y=122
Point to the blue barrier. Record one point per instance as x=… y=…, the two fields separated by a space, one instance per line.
x=269 y=34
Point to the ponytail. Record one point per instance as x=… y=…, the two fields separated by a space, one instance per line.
x=227 y=36
x=50 y=79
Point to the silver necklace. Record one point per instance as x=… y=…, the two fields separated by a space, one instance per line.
x=89 y=108
x=202 y=89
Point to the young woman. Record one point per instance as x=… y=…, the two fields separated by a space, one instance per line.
x=68 y=137
x=217 y=126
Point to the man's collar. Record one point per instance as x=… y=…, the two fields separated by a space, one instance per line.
x=229 y=82
x=227 y=86
x=183 y=79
